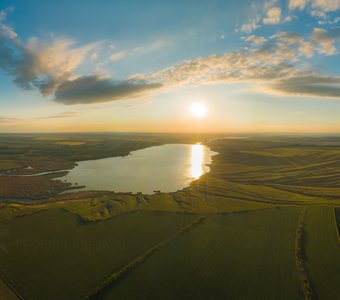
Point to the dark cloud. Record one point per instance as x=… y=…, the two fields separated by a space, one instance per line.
x=38 y=65
x=93 y=89
x=309 y=85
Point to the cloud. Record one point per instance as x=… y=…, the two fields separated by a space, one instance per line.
x=251 y=25
x=288 y=39
x=4 y=12
x=325 y=39
x=305 y=84
x=273 y=16
x=258 y=40
x=270 y=65
x=66 y=114
x=330 y=22
x=94 y=56
x=4 y=119
x=297 y=4
x=320 y=7
x=118 y=56
x=51 y=67
x=93 y=89
x=141 y=50
x=317 y=8
x=37 y=64
x=267 y=13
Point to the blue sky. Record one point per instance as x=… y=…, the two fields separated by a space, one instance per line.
x=263 y=66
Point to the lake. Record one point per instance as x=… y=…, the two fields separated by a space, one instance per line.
x=165 y=168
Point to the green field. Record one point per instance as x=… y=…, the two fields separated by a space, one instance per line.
x=247 y=244
x=56 y=255
x=323 y=252
x=236 y=256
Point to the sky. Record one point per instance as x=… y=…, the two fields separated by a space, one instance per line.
x=130 y=65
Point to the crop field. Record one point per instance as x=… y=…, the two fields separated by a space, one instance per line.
x=337 y=219
x=53 y=251
x=233 y=256
x=323 y=251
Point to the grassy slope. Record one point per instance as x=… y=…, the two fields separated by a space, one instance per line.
x=56 y=255
x=236 y=256
x=323 y=252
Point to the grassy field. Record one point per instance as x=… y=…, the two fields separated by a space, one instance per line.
x=235 y=256
x=56 y=255
x=323 y=251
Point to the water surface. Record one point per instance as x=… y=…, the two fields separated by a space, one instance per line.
x=165 y=168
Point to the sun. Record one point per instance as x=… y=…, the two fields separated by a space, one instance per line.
x=198 y=109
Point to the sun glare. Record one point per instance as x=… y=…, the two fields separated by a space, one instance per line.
x=198 y=109
x=197 y=156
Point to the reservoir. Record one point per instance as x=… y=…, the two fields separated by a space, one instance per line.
x=165 y=168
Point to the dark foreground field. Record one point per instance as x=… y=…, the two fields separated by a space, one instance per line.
x=261 y=225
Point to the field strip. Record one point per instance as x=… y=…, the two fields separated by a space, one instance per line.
x=7 y=291
x=305 y=283
x=134 y=263
x=336 y=225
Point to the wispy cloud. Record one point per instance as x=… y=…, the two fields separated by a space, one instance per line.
x=140 y=50
x=67 y=114
x=258 y=40
x=118 y=56
x=4 y=119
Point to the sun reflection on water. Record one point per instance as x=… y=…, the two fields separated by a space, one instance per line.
x=197 y=152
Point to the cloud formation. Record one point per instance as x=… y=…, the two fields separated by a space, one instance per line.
x=296 y=42
x=305 y=84
x=251 y=25
x=93 y=89
x=317 y=8
x=325 y=39
x=297 y=4
x=4 y=119
x=67 y=114
x=258 y=40
x=272 y=62
x=321 y=7
x=273 y=16
x=36 y=64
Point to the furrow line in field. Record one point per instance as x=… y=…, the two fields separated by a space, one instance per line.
x=305 y=282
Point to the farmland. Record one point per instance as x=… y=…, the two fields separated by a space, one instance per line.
x=68 y=254
x=323 y=251
x=238 y=232
x=226 y=257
